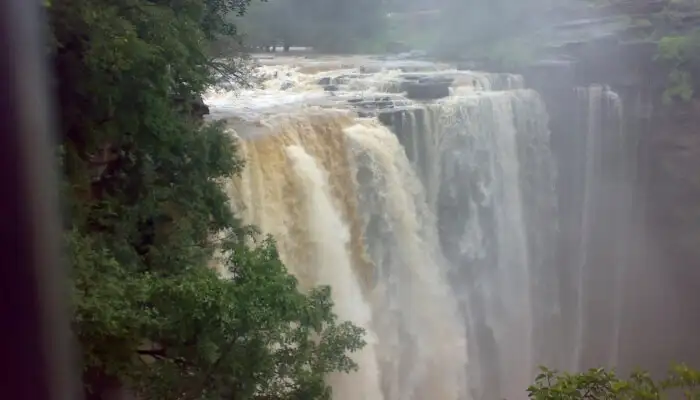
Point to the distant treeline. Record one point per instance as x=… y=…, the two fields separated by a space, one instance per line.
x=326 y=25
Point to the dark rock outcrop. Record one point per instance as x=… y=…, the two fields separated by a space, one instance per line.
x=199 y=109
x=331 y=88
x=427 y=90
x=196 y=107
x=372 y=106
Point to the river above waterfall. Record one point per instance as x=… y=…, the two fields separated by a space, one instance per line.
x=289 y=84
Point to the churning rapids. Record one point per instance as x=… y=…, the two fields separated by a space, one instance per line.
x=434 y=221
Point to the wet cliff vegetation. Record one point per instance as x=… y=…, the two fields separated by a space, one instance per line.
x=599 y=384
x=145 y=213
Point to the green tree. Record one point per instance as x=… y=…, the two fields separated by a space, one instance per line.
x=143 y=199
x=680 y=54
x=599 y=384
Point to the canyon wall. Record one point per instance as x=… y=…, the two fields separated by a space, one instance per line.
x=647 y=190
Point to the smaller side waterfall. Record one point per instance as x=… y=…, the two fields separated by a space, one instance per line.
x=597 y=226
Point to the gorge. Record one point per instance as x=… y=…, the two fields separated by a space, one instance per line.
x=475 y=234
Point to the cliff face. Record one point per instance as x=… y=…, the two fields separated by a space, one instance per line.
x=650 y=173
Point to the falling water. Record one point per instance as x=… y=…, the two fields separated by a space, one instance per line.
x=589 y=191
x=599 y=262
x=432 y=221
x=330 y=237
x=301 y=185
x=486 y=157
x=412 y=288
x=503 y=287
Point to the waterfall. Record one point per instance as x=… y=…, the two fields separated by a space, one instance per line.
x=433 y=221
x=487 y=161
x=411 y=271
x=330 y=237
x=504 y=287
x=597 y=215
x=304 y=184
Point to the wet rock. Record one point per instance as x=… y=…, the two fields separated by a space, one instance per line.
x=287 y=85
x=413 y=77
x=199 y=109
x=325 y=81
x=377 y=104
x=344 y=79
x=436 y=79
x=331 y=88
x=413 y=82
x=427 y=90
x=380 y=102
x=373 y=106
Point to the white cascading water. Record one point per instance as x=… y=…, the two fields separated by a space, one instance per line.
x=504 y=287
x=330 y=237
x=486 y=158
x=412 y=271
x=434 y=227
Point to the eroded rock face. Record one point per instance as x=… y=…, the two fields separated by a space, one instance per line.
x=660 y=305
x=427 y=90
x=673 y=196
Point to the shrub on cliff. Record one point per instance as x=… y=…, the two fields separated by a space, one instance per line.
x=599 y=384
x=681 y=55
x=143 y=200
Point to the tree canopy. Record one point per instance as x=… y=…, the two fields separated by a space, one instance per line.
x=602 y=384
x=146 y=212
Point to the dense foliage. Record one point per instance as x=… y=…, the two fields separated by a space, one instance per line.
x=143 y=195
x=681 y=54
x=599 y=384
x=679 y=49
